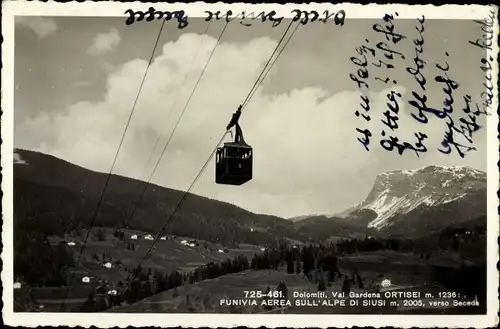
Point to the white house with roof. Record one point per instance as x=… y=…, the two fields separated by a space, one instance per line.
x=148 y=237
x=386 y=283
x=134 y=237
x=108 y=265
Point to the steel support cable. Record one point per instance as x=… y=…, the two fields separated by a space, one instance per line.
x=170 y=219
x=271 y=66
x=174 y=103
x=96 y=211
x=161 y=135
x=265 y=66
x=146 y=185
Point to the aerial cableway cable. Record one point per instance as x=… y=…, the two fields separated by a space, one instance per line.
x=173 y=104
x=136 y=204
x=270 y=67
x=146 y=185
x=134 y=275
x=186 y=193
x=96 y=211
x=267 y=64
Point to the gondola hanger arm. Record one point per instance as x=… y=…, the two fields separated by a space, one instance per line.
x=234 y=119
x=238 y=138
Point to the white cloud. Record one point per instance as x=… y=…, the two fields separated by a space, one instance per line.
x=104 y=42
x=42 y=26
x=306 y=156
x=81 y=84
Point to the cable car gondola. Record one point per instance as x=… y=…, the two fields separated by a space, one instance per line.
x=234 y=160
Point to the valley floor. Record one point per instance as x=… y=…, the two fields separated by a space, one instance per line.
x=212 y=296
x=406 y=272
x=171 y=254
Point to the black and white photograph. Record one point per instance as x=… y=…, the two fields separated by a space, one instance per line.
x=250 y=160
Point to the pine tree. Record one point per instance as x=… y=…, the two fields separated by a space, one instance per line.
x=321 y=283
x=284 y=290
x=297 y=265
x=331 y=276
x=289 y=266
x=346 y=286
x=254 y=264
x=360 y=281
x=308 y=260
x=101 y=235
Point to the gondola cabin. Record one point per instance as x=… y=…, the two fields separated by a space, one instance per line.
x=233 y=164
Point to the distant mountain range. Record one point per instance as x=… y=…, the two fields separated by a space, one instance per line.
x=419 y=201
x=63 y=196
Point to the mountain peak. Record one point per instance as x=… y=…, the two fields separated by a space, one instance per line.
x=401 y=191
x=430 y=169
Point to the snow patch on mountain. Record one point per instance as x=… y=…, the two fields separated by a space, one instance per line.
x=18 y=159
x=401 y=191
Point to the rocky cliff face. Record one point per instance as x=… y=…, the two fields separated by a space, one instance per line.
x=401 y=192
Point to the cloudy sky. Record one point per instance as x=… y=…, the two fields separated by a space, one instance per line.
x=76 y=80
